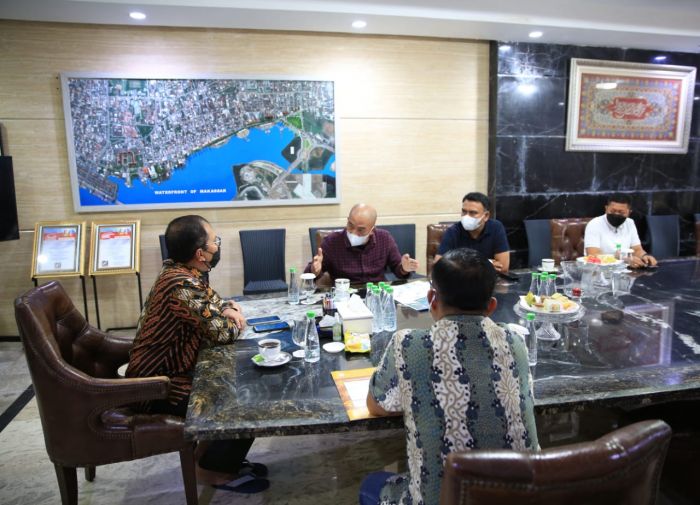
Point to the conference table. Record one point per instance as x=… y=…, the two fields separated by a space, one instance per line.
x=629 y=350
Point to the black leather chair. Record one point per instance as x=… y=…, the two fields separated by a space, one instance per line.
x=263 y=260
x=539 y=240
x=316 y=236
x=621 y=468
x=697 y=234
x=663 y=234
x=85 y=408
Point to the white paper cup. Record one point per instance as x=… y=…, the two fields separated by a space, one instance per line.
x=269 y=348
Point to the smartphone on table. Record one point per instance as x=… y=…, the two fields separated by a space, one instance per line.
x=270 y=326
x=258 y=320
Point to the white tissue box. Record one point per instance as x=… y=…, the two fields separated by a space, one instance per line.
x=355 y=315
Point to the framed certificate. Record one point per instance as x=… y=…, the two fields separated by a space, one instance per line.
x=59 y=249
x=115 y=248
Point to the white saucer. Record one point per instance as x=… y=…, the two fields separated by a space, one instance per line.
x=333 y=346
x=299 y=353
x=283 y=358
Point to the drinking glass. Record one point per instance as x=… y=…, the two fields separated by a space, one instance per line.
x=307 y=288
x=299 y=337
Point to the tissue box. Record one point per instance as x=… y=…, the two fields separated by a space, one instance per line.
x=355 y=315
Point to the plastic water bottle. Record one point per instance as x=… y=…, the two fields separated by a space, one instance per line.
x=534 y=283
x=337 y=329
x=542 y=286
x=312 y=352
x=618 y=251
x=389 y=310
x=552 y=286
x=531 y=339
x=293 y=288
x=377 y=310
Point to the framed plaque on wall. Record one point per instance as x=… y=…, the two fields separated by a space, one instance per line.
x=59 y=249
x=115 y=247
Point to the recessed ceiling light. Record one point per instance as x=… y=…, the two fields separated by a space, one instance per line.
x=139 y=16
x=359 y=24
x=659 y=58
x=535 y=35
x=504 y=48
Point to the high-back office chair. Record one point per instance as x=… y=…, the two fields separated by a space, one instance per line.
x=435 y=233
x=568 y=238
x=163 y=247
x=404 y=236
x=539 y=240
x=663 y=234
x=697 y=234
x=263 y=260
x=621 y=468
x=84 y=407
x=316 y=236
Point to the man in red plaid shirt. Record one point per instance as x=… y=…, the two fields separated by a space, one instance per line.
x=361 y=252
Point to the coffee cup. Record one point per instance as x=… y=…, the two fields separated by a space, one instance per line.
x=269 y=348
x=548 y=264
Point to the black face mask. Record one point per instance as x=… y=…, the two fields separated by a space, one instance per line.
x=215 y=257
x=615 y=219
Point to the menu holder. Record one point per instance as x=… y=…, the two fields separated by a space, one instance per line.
x=353 y=386
x=115 y=248
x=59 y=249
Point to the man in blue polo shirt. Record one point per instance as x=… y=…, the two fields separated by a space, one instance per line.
x=476 y=231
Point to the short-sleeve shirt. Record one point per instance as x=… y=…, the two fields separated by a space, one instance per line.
x=181 y=315
x=491 y=241
x=601 y=234
x=463 y=384
x=365 y=263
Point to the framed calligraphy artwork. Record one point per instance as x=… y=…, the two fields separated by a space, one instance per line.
x=115 y=248
x=629 y=107
x=59 y=249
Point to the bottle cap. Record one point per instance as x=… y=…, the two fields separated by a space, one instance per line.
x=293 y=270
x=530 y=316
x=389 y=289
x=369 y=284
x=311 y=314
x=618 y=246
x=552 y=276
x=535 y=275
x=375 y=289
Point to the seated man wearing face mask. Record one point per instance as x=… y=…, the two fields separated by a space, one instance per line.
x=476 y=231
x=361 y=252
x=603 y=233
x=182 y=315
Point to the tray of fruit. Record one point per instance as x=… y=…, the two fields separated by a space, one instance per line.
x=555 y=304
x=600 y=259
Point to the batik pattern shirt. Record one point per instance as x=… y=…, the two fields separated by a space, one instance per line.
x=464 y=384
x=182 y=314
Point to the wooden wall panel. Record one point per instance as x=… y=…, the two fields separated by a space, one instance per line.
x=412 y=117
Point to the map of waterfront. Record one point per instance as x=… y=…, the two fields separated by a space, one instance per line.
x=167 y=143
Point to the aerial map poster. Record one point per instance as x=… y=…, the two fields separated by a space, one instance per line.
x=139 y=144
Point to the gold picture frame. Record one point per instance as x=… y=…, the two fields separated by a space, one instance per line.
x=629 y=107
x=59 y=249
x=115 y=247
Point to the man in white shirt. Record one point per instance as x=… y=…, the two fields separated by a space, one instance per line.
x=603 y=233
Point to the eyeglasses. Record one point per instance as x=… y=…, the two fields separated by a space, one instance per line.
x=216 y=242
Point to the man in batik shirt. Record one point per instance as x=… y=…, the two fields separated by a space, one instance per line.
x=463 y=384
x=182 y=315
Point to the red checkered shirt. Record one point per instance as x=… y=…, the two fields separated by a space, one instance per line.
x=360 y=264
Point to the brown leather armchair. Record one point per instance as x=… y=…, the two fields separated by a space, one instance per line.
x=435 y=233
x=620 y=468
x=567 y=238
x=83 y=405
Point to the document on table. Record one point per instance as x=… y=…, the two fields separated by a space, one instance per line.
x=413 y=294
x=353 y=386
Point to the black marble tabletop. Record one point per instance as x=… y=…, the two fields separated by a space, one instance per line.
x=629 y=350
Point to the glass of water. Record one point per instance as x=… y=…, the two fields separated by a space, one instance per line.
x=308 y=287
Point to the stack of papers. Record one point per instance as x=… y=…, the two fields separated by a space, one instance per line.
x=413 y=294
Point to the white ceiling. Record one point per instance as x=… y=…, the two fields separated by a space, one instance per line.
x=671 y=25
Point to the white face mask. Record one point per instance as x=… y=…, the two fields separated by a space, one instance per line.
x=470 y=223
x=356 y=240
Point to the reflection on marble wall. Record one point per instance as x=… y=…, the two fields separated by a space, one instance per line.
x=531 y=176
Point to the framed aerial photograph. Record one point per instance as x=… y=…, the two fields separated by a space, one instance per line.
x=59 y=249
x=115 y=248
x=629 y=107
x=144 y=143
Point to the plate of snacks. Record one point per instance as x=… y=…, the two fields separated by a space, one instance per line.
x=555 y=304
x=599 y=259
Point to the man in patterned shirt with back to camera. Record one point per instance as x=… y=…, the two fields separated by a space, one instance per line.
x=463 y=384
